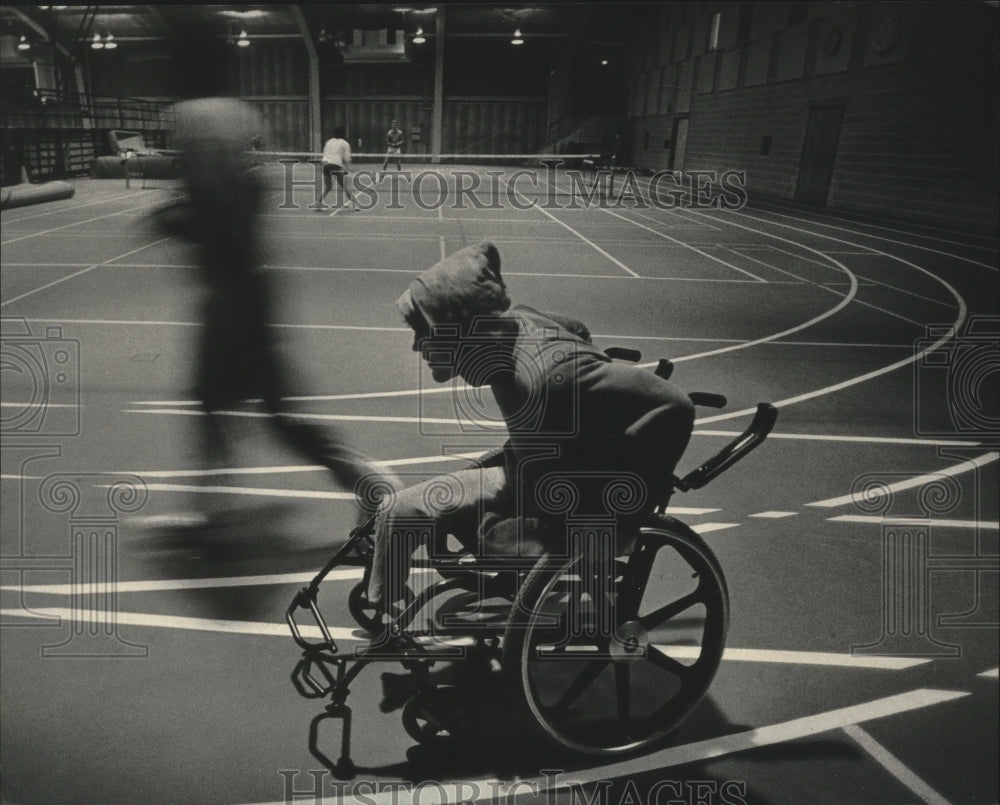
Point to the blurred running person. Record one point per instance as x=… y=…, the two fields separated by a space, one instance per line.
x=336 y=161
x=218 y=212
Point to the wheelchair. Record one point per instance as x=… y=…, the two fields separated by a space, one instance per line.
x=602 y=647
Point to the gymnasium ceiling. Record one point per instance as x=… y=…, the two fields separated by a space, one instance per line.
x=328 y=24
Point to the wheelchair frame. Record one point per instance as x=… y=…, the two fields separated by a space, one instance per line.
x=519 y=645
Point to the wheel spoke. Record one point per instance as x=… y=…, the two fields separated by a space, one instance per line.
x=640 y=565
x=660 y=616
x=663 y=660
x=584 y=680
x=623 y=689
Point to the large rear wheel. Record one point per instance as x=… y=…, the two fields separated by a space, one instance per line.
x=610 y=655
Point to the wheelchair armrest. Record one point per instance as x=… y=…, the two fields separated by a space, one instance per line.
x=491 y=458
x=707 y=400
x=624 y=354
x=664 y=368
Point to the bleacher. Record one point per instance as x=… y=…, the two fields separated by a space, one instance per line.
x=54 y=135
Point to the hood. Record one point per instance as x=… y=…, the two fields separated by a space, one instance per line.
x=464 y=285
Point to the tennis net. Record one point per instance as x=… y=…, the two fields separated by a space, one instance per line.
x=429 y=181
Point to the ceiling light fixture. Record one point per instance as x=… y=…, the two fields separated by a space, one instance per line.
x=243 y=40
x=517 y=40
x=97 y=44
x=24 y=44
x=109 y=42
x=418 y=39
x=604 y=62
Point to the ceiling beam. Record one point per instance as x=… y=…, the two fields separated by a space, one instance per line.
x=160 y=20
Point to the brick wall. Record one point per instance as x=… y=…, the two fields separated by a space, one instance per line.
x=919 y=134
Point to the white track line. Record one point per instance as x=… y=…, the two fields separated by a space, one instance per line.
x=706 y=528
x=883 y=225
x=825 y=437
x=909 y=483
x=909 y=244
x=78 y=273
x=507 y=791
x=960 y=318
x=586 y=240
x=292 y=468
x=261 y=629
x=187 y=408
x=845 y=300
x=766 y=656
x=809 y=658
x=157 y=585
x=350 y=327
x=993 y=673
x=251 y=491
x=894 y=766
x=930 y=522
x=497 y=425
x=873 y=253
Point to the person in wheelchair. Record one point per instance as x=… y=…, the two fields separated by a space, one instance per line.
x=575 y=419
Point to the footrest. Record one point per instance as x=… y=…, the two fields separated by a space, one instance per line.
x=306 y=599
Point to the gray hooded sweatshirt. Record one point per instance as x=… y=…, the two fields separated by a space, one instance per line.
x=588 y=435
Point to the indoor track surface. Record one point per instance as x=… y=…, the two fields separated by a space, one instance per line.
x=856 y=671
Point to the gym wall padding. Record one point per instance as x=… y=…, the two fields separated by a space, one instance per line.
x=22 y=195
x=153 y=166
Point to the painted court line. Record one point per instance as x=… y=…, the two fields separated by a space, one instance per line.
x=982 y=525
x=681 y=243
x=807 y=727
x=586 y=240
x=75 y=223
x=894 y=766
x=910 y=483
x=993 y=673
x=78 y=273
x=62 y=210
x=773 y=515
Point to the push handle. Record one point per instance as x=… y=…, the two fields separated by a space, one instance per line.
x=761 y=426
x=707 y=400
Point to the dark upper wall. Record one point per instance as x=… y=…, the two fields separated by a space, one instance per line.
x=916 y=82
x=495 y=94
